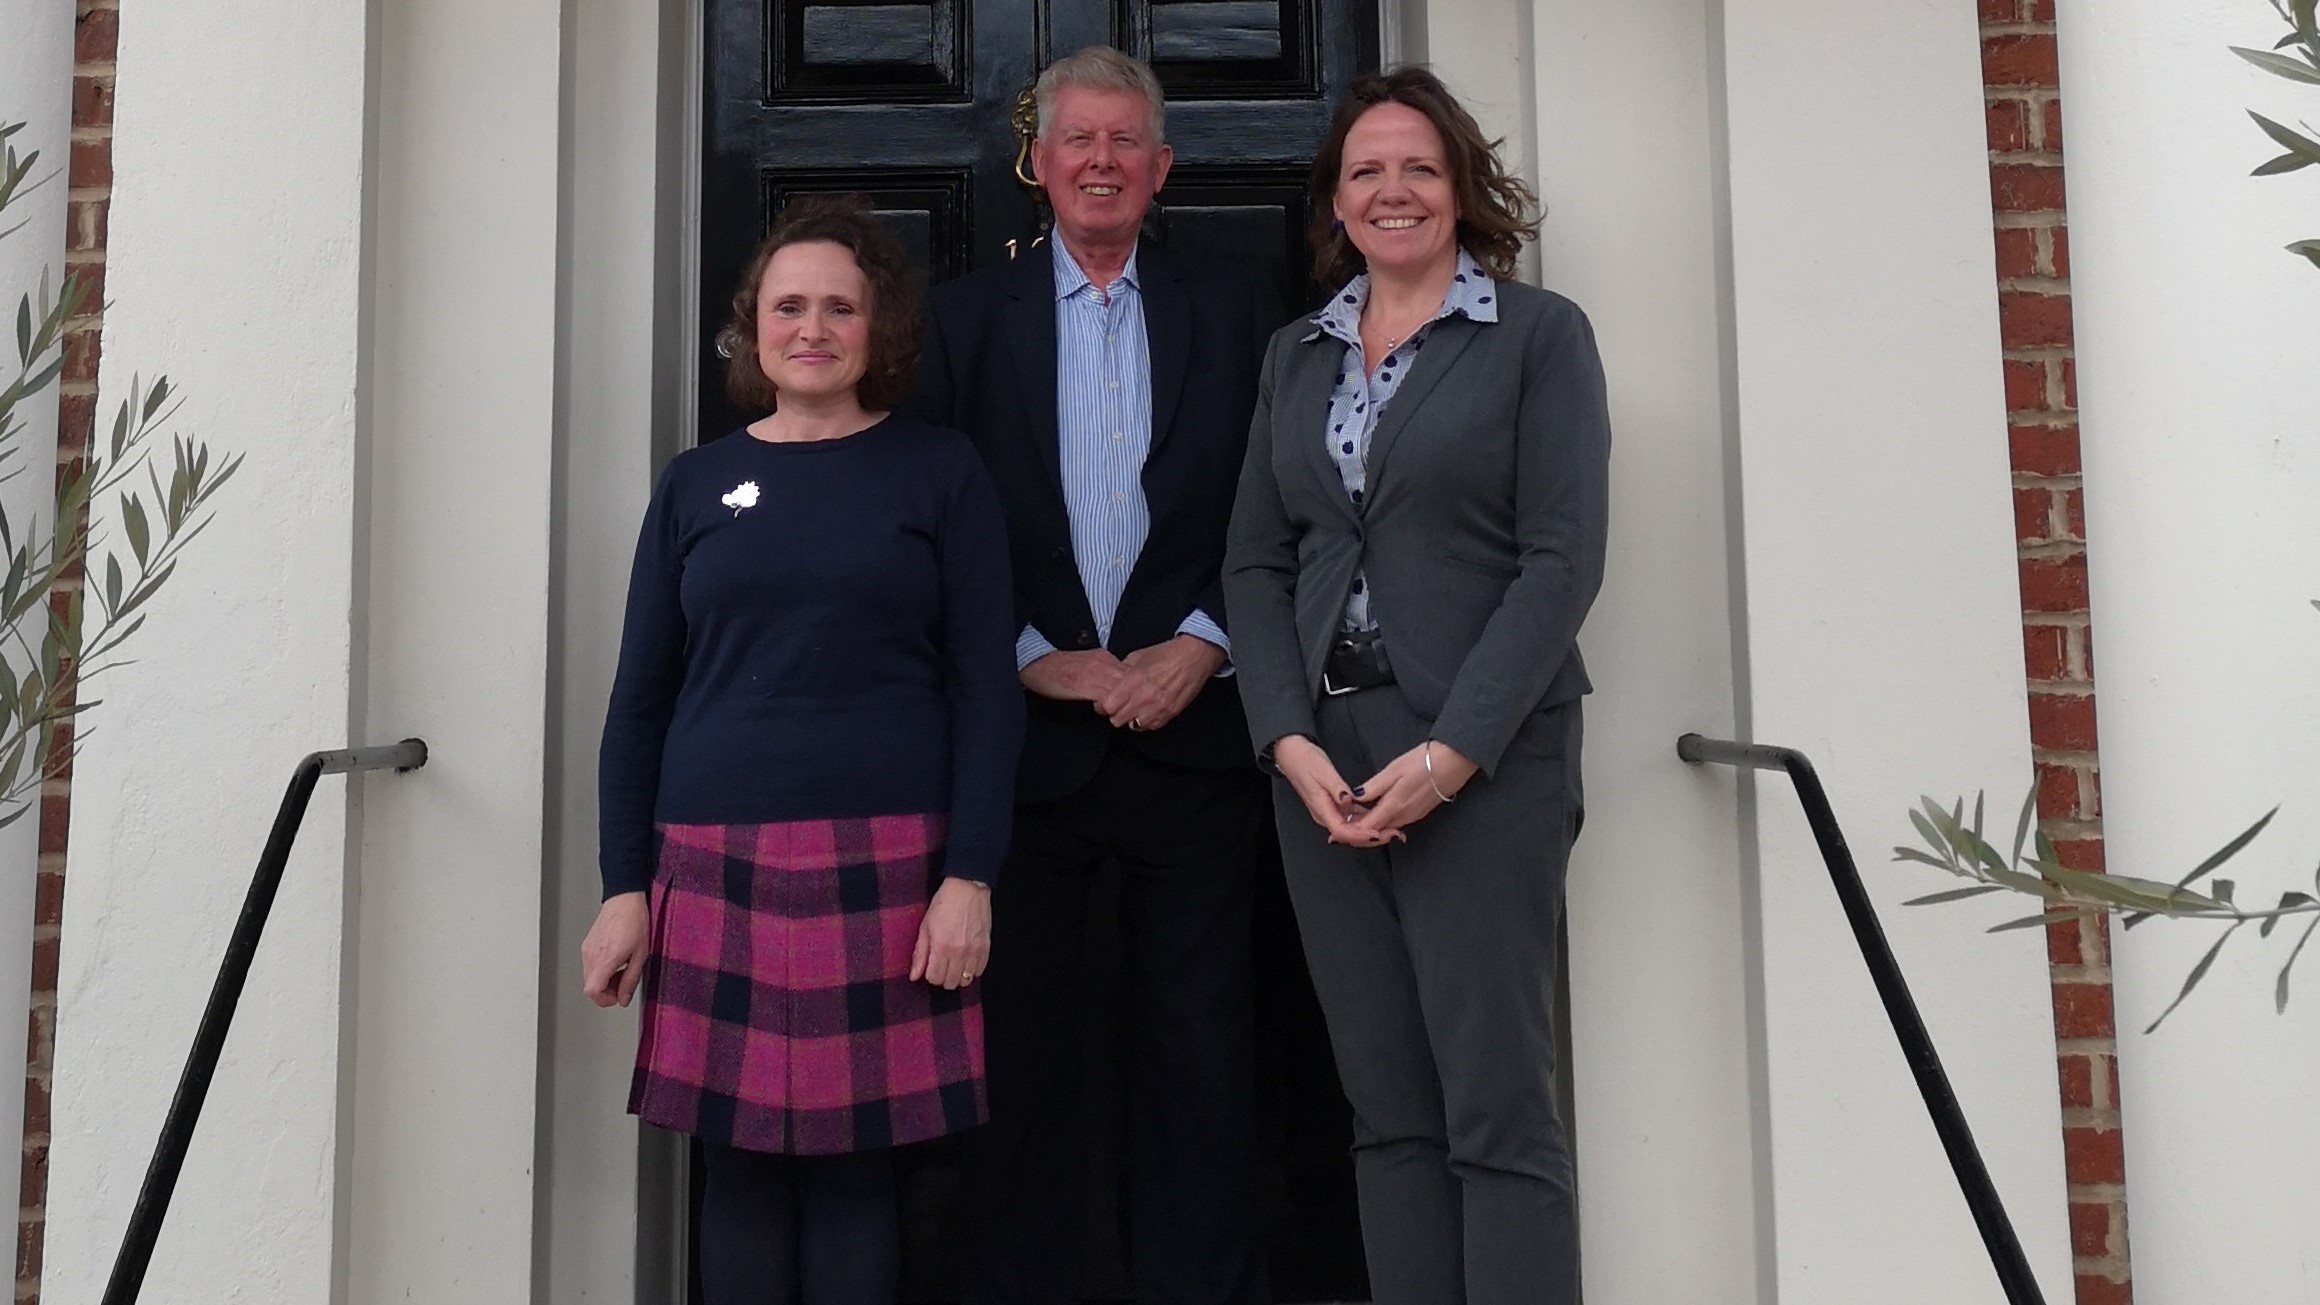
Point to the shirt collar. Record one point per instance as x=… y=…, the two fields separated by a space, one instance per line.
x=1472 y=295
x=1070 y=279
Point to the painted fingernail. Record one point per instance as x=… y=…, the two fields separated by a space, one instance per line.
x=1358 y=788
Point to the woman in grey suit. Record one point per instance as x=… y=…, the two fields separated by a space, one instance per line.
x=1418 y=534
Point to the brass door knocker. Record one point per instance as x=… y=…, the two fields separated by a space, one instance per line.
x=1024 y=118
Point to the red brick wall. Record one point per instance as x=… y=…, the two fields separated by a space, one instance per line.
x=2022 y=88
x=89 y=174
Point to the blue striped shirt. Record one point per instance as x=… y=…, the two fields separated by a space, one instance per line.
x=1103 y=411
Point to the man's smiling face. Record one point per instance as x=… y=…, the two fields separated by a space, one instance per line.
x=1100 y=164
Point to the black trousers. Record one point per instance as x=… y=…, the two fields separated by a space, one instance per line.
x=1435 y=963
x=1185 y=841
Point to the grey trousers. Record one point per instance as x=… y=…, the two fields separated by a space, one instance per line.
x=1435 y=962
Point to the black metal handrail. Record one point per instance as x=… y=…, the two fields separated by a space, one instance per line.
x=1965 y=1159
x=201 y=1064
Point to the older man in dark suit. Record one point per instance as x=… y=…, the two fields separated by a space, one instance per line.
x=1109 y=386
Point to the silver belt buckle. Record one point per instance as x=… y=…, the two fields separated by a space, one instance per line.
x=1332 y=690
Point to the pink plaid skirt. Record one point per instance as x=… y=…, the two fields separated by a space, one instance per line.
x=779 y=1014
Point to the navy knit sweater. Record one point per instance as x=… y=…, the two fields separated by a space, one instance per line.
x=816 y=630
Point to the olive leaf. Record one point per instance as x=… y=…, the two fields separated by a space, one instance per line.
x=49 y=648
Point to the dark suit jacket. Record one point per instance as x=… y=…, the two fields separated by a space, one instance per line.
x=1481 y=530
x=987 y=367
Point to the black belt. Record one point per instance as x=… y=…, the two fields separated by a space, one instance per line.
x=1355 y=661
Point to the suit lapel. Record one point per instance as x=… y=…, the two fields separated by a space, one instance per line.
x=1168 y=335
x=1031 y=340
x=1445 y=341
x=1311 y=379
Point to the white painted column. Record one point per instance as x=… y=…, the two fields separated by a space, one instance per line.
x=1881 y=634
x=463 y=407
x=615 y=1196
x=2195 y=346
x=1668 y=1102
x=234 y=266
x=36 y=76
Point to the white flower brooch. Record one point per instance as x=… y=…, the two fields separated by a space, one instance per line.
x=744 y=495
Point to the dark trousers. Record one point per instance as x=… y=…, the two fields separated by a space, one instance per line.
x=1435 y=963
x=1184 y=840
x=798 y=1229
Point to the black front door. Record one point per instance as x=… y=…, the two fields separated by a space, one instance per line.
x=912 y=105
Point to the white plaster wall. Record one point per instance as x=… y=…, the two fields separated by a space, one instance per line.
x=2195 y=344
x=1667 y=1104
x=613 y=1222
x=36 y=65
x=1882 y=633
x=233 y=267
x=462 y=411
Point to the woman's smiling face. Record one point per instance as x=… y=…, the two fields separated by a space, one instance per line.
x=1394 y=191
x=813 y=320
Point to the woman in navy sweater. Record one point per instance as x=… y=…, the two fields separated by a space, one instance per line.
x=807 y=777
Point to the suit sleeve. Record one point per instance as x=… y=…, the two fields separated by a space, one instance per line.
x=1260 y=585
x=1562 y=508
x=644 y=699
x=986 y=700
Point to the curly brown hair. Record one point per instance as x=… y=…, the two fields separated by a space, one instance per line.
x=845 y=221
x=1496 y=211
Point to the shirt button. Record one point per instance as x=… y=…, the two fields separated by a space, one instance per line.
x=1118 y=436
x=1119 y=561
x=1119 y=498
x=1111 y=385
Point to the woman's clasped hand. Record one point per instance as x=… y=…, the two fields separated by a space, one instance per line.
x=1380 y=809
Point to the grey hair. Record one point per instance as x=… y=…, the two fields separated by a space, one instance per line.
x=1102 y=68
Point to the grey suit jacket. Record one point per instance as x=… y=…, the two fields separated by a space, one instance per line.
x=1481 y=531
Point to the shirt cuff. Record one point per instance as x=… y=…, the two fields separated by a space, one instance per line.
x=1030 y=646
x=1202 y=626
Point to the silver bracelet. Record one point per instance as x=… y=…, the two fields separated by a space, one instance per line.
x=1431 y=782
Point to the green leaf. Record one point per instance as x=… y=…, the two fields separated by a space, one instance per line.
x=156 y=396
x=2310 y=249
x=10 y=768
x=2022 y=824
x=24 y=330
x=1922 y=858
x=2288 y=902
x=2228 y=850
x=2284 y=163
x=2221 y=890
x=2198 y=972
x=1925 y=827
x=2280 y=986
x=1954 y=894
x=2292 y=141
x=112 y=582
x=2036 y=921
x=2280 y=65
x=133 y=519
x=2021 y=883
